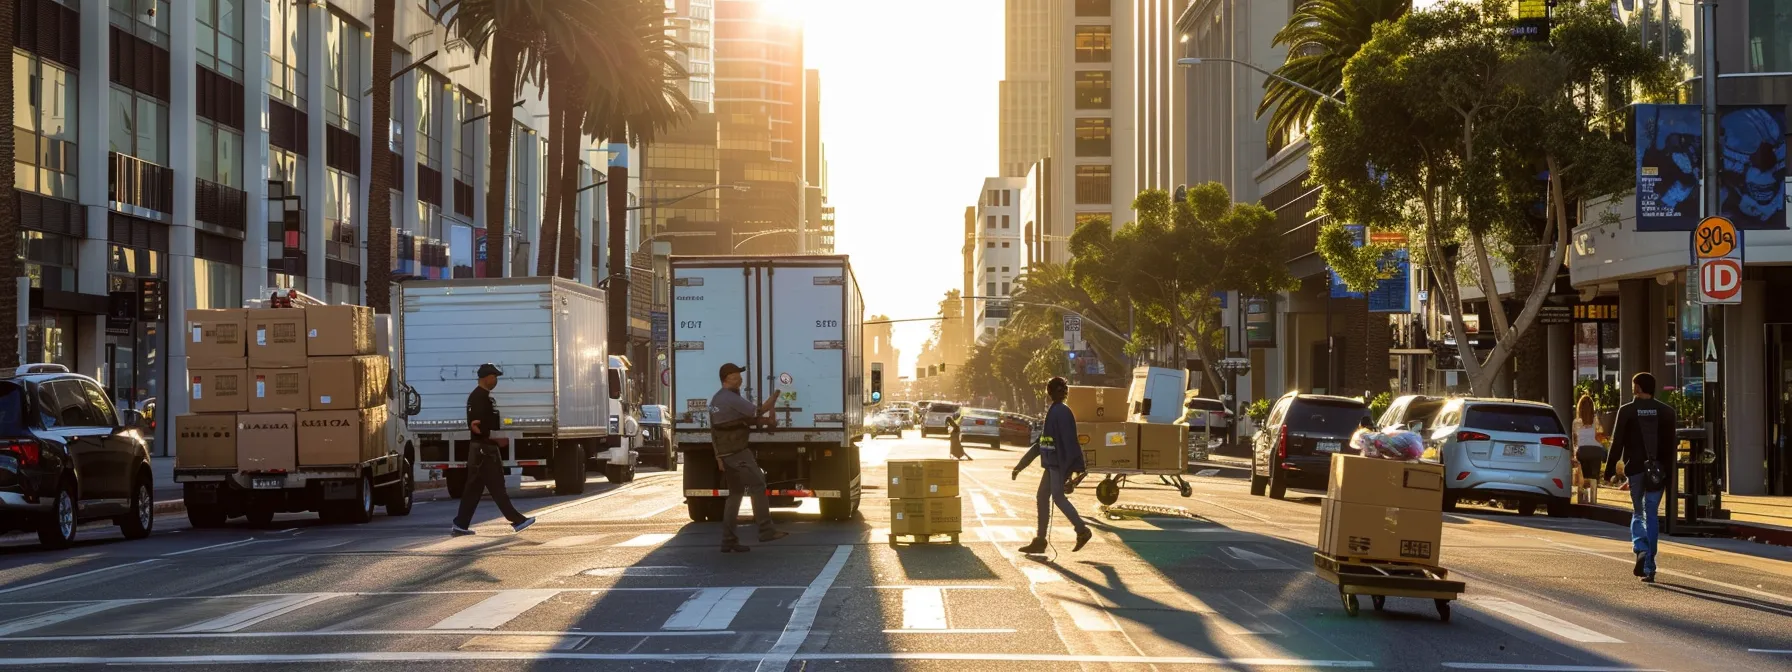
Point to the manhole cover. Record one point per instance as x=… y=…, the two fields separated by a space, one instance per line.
x=650 y=570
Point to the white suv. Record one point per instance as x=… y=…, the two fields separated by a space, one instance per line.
x=1502 y=451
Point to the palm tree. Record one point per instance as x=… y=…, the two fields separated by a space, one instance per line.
x=379 y=187
x=511 y=29
x=1321 y=36
x=9 y=216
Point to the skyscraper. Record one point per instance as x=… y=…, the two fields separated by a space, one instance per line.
x=1026 y=86
x=760 y=107
x=685 y=162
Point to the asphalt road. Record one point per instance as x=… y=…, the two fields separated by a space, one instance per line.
x=618 y=579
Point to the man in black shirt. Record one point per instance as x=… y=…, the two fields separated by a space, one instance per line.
x=485 y=466
x=1643 y=434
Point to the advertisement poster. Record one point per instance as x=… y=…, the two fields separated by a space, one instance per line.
x=1752 y=180
x=1394 y=294
x=1339 y=289
x=1751 y=175
x=1667 y=167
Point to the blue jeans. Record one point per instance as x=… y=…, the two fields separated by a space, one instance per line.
x=1051 y=490
x=1645 y=523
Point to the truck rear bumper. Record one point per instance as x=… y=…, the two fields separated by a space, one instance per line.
x=770 y=493
x=687 y=437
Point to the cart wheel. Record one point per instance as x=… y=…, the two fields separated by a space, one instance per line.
x=1185 y=489
x=1107 y=492
x=1350 y=607
x=1380 y=601
x=1443 y=610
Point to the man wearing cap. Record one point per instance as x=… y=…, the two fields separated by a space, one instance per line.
x=731 y=417
x=485 y=466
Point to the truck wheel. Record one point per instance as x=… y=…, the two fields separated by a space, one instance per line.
x=705 y=509
x=569 y=468
x=399 y=500
x=613 y=473
x=457 y=481
x=360 y=510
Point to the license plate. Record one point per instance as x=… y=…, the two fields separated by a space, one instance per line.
x=1516 y=450
x=1327 y=446
x=267 y=483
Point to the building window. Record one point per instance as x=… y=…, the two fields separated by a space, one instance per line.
x=989 y=222
x=220 y=284
x=1770 y=36
x=48 y=259
x=44 y=130
x=287 y=42
x=1094 y=8
x=1004 y=269
x=1094 y=137
x=991 y=269
x=219 y=153
x=470 y=137
x=1094 y=44
x=1005 y=289
x=1094 y=185
x=429 y=119
x=1004 y=221
x=992 y=290
x=147 y=19
x=990 y=244
x=1007 y=196
x=994 y=198
x=342 y=91
x=429 y=222
x=139 y=126
x=340 y=191
x=220 y=37
x=1004 y=246
x=1094 y=90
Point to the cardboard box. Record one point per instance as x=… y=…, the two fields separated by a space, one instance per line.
x=336 y=331
x=206 y=441
x=1366 y=480
x=344 y=383
x=266 y=442
x=276 y=338
x=1162 y=446
x=341 y=437
x=1097 y=404
x=934 y=515
x=276 y=390
x=1380 y=532
x=923 y=478
x=218 y=391
x=215 y=339
x=1112 y=445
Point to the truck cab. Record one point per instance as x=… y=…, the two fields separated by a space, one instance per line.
x=622 y=448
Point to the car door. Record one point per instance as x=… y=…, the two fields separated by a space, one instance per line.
x=121 y=443
x=78 y=427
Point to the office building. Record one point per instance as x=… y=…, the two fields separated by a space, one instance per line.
x=1026 y=85
x=760 y=107
x=997 y=252
x=680 y=184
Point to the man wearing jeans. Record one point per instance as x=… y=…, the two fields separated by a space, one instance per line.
x=1643 y=433
x=731 y=418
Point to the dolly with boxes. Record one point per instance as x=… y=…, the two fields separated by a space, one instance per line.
x=288 y=411
x=924 y=501
x=1118 y=450
x=1381 y=531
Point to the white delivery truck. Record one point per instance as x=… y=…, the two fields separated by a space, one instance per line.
x=547 y=335
x=622 y=448
x=795 y=323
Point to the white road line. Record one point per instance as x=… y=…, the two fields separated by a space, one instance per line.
x=1225 y=623
x=923 y=609
x=535 y=656
x=1542 y=622
x=981 y=504
x=638 y=482
x=1544 y=668
x=944 y=587
x=211 y=547
x=495 y=611
x=646 y=540
x=59 y=615
x=60 y=579
x=1776 y=652
x=668 y=507
x=803 y=612
x=400 y=593
x=575 y=540
x=1089 y=618
x=709 y=609
x=366 y=633
x=1774 y=597
x=1257 y=560
x=950 y=631
x=241 y=619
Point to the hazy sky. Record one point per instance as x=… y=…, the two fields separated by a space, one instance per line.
x=908 y=114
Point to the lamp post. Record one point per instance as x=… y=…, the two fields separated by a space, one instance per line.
x=756 y=234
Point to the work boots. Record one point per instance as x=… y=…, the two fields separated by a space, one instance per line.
x=1035 y=548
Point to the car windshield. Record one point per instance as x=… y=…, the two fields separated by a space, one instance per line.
x=1422 y=412
x=1512 y=418
x=980 y=413
x=943 y=408
x=1327 y=416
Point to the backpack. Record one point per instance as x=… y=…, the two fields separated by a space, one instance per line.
x=1655 y=477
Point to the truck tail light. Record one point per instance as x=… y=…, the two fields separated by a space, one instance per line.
x=1472 y=436
x=1282 y=443
x=28 y=451
x=1557 y=441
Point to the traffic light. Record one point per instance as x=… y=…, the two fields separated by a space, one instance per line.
x=877 y=382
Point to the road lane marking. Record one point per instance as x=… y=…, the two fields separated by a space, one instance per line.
x=367 y=633
x=211 y=547
x=639 y=481
x=59 y=615
x=1257 y=560
x=60 y=579
x=668 y=507
x=981 y=504
x=923 y=609
x=944 y=587
x=1225 y=623
x=1087 y=617
x=493 y=612
x=1542 y=622
x=403 y=593
x=950 y=631
x=646 y=540
x=539 y=656
x=575 y=540
x=1630 y=559
x=803 y=612
x=241 y=619
x=1544 y=668
x=709 y=609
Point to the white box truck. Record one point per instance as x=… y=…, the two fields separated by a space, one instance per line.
x=547 y=335
x=795 y=323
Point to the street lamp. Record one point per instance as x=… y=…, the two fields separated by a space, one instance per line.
x=757 y=234
x=1323 y=95
x=705 y=190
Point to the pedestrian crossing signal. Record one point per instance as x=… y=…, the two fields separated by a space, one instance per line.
x=877 y=382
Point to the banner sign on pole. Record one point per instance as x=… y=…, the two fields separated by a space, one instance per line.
x=1751 y=177
x=1073 y=333
x=1717 y=255
x=1394 y=293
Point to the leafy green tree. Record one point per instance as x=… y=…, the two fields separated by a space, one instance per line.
x=1447 y=124
x=1321 y=36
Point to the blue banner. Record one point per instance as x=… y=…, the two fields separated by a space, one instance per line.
x=1668 y=159
x=1394 y=293
x=1751 y=175
x=1339 y=289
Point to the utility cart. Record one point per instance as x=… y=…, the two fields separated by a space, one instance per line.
x=1107 y=491
x=1380 y=580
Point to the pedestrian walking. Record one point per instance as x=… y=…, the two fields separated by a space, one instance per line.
x=957 y=441
x=1589 y=450
x=731 y=420
x=1643 y=439
x=485 y=464
x=1060 y=455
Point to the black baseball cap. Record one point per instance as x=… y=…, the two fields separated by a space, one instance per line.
x=731 y=368
x=489 y=369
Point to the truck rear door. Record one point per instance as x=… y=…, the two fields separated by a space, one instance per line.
x=710 y=326
x=806 y=344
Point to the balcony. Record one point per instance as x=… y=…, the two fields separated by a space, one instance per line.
x=221 y=206
x=138 y=184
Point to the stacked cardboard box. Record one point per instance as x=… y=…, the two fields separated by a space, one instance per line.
x=1378 y=509
x=1162 y=447
x=289 y=387
x=1097 y=404
x=1109 y=445
x=924 y=497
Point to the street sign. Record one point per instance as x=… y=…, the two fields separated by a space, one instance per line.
x=1073 y=332
x=1720 y=281
x=1716 y=238
x=1717 y=254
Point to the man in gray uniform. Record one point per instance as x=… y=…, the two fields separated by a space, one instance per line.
x=731 y=418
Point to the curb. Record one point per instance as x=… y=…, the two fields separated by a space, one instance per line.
x=175 y=506
x=1769 y=535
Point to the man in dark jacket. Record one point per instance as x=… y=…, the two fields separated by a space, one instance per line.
x=485 y=464
x=731 y=419
x=1061 y=455
x=1643 y=433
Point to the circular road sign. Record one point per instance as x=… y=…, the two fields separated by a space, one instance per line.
x=1714 y=239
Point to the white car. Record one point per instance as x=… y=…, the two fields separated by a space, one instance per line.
x=1503 y=451
x=980 y=425
x=936 y=418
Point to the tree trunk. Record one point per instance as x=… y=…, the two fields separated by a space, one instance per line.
x=570 y=242
x=498 y=126
x=547 y=239
x=379 y=187
x=9 y=216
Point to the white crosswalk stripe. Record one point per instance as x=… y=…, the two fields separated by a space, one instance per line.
x=237 y=620
x=55 y=616
x=1542 y=622
x=709 y=609
x=923 y=609
x=493 y=612
x=646 y=540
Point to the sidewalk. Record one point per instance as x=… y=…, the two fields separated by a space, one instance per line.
x=1767 y=519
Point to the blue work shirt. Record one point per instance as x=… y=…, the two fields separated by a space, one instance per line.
x=1057 y=449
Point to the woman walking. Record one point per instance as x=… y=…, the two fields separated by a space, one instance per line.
x=1589 y=451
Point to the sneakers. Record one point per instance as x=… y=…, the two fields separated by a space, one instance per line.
x=523 y=525
x=1082 y=539
x=458 y=531
x=1638 y=569
x=735 y=547
x=1648 y=578
x=774 y=536
x=1035 y=548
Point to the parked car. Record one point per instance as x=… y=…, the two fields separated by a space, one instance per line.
x=935 y=421
x=1018 y=430
x=980 y=425
x=1205 y=415
x=885 y=423
x=67 y=457
x=904 y=415
x=1505 y=451
x=656 y=437
x=1294 y=448
x=1412 y=412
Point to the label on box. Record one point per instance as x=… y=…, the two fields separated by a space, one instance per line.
x=198 y=390
x=313 y=333
x=1116 y=438
x=899 y=515
x=261 y=336
x=1415 y=549
x=198 y=334
x=933 y=488
x=261 y=387
x=895 y=480
x=323 y=399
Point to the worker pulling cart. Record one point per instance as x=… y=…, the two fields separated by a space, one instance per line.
x=1381 y=525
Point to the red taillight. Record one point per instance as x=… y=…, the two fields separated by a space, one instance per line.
x=28 y=452
x=1558 y=483
x=1282 y=443
x=1472 y=436
x=1462 y=476
x=1557 y=441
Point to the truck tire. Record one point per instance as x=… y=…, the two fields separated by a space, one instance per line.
x=360 y=510
x=569 y=468
x=618 y=474
x=457 y=481
x=700 y=474
x=399 y=499
x=838 y=473
x=261 y=515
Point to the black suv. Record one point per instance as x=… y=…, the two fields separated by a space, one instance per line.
x=1294 y=447
x=67 y=458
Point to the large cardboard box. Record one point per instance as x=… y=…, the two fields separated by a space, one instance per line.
x=218 y=391
x=341 y=437
x=1112 y=445
x=334 y=331
x=276 y=390
x=205 y=441
x=1097 y=404
x=1162 y=446
x=344 y=383
x=276 y=338
x=1380 y=532
x=923 y=478
x=933 y=515
x=266 y=442
x=1366 y=480
x=215 y=339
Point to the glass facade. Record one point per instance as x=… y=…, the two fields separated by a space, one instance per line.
x=345 y=83
x=1770 y=35
x=220 y=36
x=139 y=126
x=44 y=131
x=288 y=45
